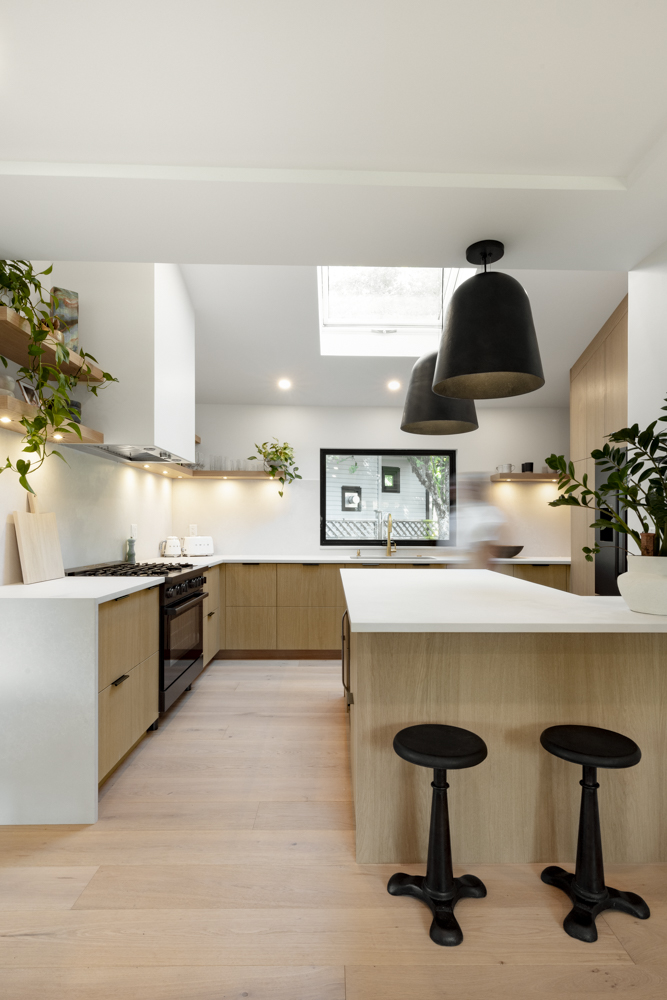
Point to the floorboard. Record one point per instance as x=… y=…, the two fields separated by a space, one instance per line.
x=222 y=867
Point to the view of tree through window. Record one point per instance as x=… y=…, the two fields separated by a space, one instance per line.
x=360 y=489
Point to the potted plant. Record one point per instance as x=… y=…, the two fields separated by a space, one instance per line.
x=278 y=461
x=22 y=291
x=636 y=466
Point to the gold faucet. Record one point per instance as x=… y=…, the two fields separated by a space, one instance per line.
x=391 y=548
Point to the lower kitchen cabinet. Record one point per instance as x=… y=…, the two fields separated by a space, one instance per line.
x=553 y=575
x=212 y=643
x=128 y=632
x=125 y=711
x=309 y=628
x=304 y=585
x=250 y=628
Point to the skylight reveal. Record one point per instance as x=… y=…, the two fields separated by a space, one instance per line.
x=384 y=311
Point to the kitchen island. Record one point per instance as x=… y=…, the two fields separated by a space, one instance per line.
x=504 y=658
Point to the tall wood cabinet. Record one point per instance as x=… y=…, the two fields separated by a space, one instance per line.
x=128 y=673
x=598 y=406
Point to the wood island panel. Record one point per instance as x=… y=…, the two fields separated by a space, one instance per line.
x=521 y=804
x=251 y=585
x=129 y=632
x=554 y=575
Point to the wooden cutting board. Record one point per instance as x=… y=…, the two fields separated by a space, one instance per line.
x=39 y=547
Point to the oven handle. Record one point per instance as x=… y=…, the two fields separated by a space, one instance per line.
x=192 y=602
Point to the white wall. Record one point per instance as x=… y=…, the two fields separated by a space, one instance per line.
x=95 y=502
x=647 y=338
x=250 y=518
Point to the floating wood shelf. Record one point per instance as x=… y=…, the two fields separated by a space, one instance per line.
x=230 y=474
x=14 y=341
x=525 y=477
x=13 y=410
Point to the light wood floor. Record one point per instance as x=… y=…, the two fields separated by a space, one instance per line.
x=223 y=867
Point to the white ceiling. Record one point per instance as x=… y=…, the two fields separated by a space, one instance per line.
x=360 y=131
x=256 y=324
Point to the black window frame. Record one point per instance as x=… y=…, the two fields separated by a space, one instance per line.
x=399 y=452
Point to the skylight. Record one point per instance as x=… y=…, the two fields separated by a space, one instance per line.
x=385 y=311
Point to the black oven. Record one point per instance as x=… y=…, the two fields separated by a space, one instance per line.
x=181 y=638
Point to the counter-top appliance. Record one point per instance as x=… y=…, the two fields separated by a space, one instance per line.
x=197 y=545
x=181 y=620
x=171 y=546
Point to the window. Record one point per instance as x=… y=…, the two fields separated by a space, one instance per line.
x=360 y=488
x=388 y=311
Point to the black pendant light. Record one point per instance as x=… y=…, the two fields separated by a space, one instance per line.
x=489 y=346
x=427 y=413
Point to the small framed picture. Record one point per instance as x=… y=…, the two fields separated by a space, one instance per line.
x=30 y=394
x=350 y=497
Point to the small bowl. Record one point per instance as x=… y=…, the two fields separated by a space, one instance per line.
x=506 y=551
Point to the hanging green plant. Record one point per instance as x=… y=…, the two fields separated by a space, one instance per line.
x=278 y=461
x=22 y=290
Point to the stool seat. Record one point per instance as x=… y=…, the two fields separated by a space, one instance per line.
x=445 y=747
x=590 y=746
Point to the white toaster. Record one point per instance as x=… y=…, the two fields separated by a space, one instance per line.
x=197 y=545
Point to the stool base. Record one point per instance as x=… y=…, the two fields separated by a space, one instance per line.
x=580 y=921
x=445 y=928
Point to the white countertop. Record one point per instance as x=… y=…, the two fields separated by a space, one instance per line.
x=109 y=588
x=480 y=601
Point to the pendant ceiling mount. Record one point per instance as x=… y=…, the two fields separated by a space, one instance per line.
x=485 y=252
x=427 y=413
x=489 y=346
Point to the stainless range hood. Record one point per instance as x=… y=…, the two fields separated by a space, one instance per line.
x=138 y=321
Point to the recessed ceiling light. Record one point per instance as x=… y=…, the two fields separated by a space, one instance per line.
x=57 y=437
x=393 y=385
x=284 y=383
x=164 y=472
x=146 y=467
x=5 y=420
x=180 y=477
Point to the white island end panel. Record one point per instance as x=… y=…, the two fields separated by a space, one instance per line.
x=48 y=711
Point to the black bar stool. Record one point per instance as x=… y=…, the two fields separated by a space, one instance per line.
x=443 y=748
x=592 y=748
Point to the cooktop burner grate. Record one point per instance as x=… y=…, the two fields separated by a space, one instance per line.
x=134 y=569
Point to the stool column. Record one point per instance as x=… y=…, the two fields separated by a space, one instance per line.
x=589 y=868
x=439 y=881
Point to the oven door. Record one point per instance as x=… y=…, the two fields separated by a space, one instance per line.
x=182 y=638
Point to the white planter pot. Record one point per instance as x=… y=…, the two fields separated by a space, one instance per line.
x=644 y=586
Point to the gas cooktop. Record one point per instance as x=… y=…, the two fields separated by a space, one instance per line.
x=132 y=569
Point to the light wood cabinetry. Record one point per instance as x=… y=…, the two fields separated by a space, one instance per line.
x=309 y=628
x=552 y=575
x=251 y=585
x=213 y=612
x=129 y=632
x=128 y=643
x=250 y=628
x=598 y=406
x=306 y=585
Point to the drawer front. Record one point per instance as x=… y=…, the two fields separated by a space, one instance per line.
x=125 y=712
x=304 y=586
x=212 y=588
x=250 y=586
x=548 y=576
x=129 y=632
x=250 y=628
x=114 y=725
x=211 y=635
x=309 y=628
x=145 y=707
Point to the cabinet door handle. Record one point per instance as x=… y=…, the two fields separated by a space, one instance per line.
x=210 y=614
x=119 y=680
x=344 y=651
x=124 y=597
